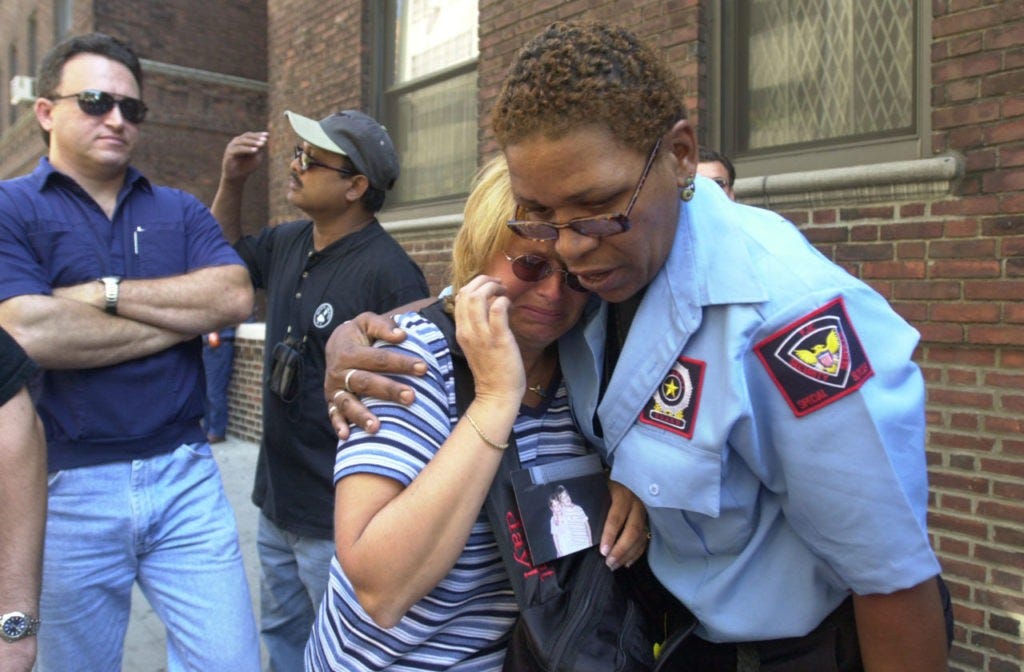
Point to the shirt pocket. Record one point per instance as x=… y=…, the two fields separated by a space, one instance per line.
x=701 y=508
x=668 y=472
x=69 y=253
x=161 y=248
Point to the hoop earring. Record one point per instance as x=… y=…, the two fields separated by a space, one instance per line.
x=689 y=189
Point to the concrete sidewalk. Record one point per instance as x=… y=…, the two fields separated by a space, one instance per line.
x=145 y=645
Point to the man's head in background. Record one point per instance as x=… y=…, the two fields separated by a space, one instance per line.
x=719 y=168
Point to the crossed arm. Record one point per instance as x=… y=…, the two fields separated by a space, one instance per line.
x=71 y=330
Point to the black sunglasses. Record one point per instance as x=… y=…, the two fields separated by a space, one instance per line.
x=97 y=103
x=306 y=162
x=534 y=268
x=596 y=227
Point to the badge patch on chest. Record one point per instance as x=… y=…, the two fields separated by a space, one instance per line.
x=674 y=404
x=816 y=360
x=323 y=315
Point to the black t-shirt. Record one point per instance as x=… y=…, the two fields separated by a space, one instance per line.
x=15 y=367
x=309 y=294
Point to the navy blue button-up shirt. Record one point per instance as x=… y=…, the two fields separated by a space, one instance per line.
x=53 y=234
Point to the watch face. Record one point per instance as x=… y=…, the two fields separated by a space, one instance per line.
x=15 y=626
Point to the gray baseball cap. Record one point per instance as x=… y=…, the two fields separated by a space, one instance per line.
x=359 y=137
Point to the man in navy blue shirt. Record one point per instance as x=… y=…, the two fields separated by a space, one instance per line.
x=107 y=281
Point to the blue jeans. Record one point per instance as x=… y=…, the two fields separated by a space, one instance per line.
x=164 y=522
x=217 y=364
x=294 y=572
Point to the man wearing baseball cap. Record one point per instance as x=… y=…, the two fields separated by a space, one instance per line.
x=317 y=272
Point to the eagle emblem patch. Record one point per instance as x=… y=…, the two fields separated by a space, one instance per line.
x=674 y=404
x=816 y=359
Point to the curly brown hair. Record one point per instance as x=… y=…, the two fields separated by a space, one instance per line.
x=576 y=74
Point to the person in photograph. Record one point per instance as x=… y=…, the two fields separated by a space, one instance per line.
x=573 y=523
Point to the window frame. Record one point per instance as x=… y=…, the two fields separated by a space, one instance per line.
x=12 y=71
x=63 y=19
x=32 y=37
x=824 y=154
x=385 y=95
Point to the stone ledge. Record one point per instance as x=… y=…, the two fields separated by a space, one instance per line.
x=921 y=179
x=195 y=74
x=435 y=223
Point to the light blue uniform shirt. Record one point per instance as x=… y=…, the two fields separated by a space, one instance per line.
x=766 y=410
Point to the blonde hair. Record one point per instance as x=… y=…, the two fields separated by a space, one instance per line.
x=489 y=207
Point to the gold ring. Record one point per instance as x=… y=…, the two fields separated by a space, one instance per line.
x=334 y=397
x=331 y=409
x=347 y=377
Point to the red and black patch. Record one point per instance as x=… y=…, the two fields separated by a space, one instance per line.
x=816 y=359
x=674 y=404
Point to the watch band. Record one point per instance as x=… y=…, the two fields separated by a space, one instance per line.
x=111 y=291
x=18 y=625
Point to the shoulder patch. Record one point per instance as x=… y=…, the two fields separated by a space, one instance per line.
x=817 y=359
x=675 y=402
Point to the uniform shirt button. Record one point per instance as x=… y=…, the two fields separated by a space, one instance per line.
x=298 y=295
x=653 y=489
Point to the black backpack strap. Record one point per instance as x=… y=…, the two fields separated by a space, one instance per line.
x=464 y=389
x=500 y=500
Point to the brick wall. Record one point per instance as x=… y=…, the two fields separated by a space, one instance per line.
x=20 y=142
x=957 y=270
x=245 y=401
x=227 y=36
x=433 y=252
x=205 y=68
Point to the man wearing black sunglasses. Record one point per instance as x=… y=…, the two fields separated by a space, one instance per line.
x=318 y=272
x=107 y=282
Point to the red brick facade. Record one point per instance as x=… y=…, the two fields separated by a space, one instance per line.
x=956 y=269
x=951 y=262
x=204 y=66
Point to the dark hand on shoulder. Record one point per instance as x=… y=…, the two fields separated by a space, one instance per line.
x=353 y=366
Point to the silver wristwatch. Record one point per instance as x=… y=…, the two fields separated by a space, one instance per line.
x=17 y=625
x=111 y=290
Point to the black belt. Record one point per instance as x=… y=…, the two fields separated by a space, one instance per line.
x=831 y=646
